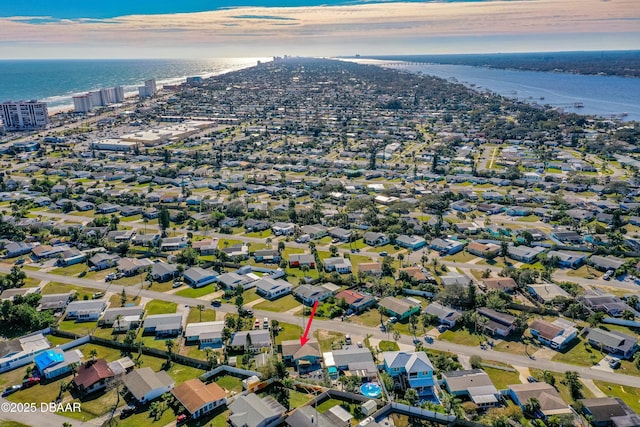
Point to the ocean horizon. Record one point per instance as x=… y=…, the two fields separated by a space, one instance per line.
x=56 y=81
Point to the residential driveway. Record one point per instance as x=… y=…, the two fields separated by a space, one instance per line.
x=592 y=387
x=545 y=353
x=524 y=372
x=254 y=302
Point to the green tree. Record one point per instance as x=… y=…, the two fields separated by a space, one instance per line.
x=572 y=380
x=164 y=219
x=200 y=308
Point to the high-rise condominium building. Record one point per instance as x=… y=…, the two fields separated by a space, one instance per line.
x=24 y=115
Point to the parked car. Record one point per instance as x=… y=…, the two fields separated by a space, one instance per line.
x=216 y=303
x=384 y=253
x=177 y=284
x=29 y=382
x=256 y=324
x=428 y=339
x=347 y=339
x=19 y=262
x=393 y=319
x=10 y=390
x=97 y=295
x=265 y=323
x=181 y=419
x=531 y=379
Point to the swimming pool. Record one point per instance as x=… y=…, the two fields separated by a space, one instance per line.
x=371 y=390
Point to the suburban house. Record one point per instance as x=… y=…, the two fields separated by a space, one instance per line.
x=399 y=308
x=133 y=266
x=70 y=257
x=524 y=253
x=410 y=370
x=417 y=274
x=372 y=238
x=85 y=311
x=497 y=323
x=610 y=304
x=568 y=259
x=605 y=263
x=410 y=242
x=335 y=416
x=316 y=231
x=557 y=334
x=102 y=261
x=373 y=269
x=357 y=302
x=146 y=240
x=243 y=277
x=161 y=271
x=55 y=302
x=199 y=398
x=547 y=292
x=484 y=250
x=16 y=249
x=283 y=228
x=174 y=243
x=309 y=294
x=446 y=316
x=93 y=376
x=272 y=288
x=504 y=284
x=613 y=342
x=205 y=334
x=609 y=411
x=298 y=260
x=198 y=277
x=337 y=264
x=121 y=315
x=351 y=360
x=254 y=411
x=256 y=341
x=240 y=250
x=21 y=349
x=567 y=237
x=252 y=225
x=306 y=358
x=163 y=325
x=339 y=233
x=267 y=256
x=446 y=246
x=550 y=401
x=55 y=362
x=473 y=384
x=146 y=385
x=205 y=247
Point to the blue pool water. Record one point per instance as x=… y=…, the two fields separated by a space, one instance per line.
x=370 y=390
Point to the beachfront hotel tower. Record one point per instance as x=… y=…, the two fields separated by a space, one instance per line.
x=149 y=89
x=24 y=115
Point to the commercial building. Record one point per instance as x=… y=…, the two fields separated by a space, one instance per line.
x=149 y=89
x=24 y=115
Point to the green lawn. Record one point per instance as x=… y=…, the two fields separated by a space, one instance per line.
x=289 y=251
x=327 y=338
x=250 y=296
x=208 y=315
x=501 y=379
x=264 y=233
x=116 y=299
x=229 y=383
x=95 y=405
x=328 y=404
x=580 y=353
x=145 y=419
x=83 y=328
x=388 y=346
x=12 y=424
x=196 y=292
x=462 y=336
x=72 y=270
x=463 y=256
x=390 y=249
x=630 y=395
x=563 y=390
x=370 y=317
x=61 y=288
x=55 y=341
x=279 y=305
x=160 y=307
x=289 y=332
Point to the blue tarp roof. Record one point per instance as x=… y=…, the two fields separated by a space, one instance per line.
x=48 y=358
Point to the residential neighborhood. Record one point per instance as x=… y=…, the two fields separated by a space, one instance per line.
x=307 y=247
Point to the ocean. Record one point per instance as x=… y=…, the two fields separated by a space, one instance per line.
x=56 y=81
x=604 y=96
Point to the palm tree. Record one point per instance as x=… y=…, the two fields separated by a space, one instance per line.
x=94 y=353
x=169 y=344
x=532 y=406
x=200 y=308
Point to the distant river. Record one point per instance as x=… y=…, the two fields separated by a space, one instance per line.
x=600 y=95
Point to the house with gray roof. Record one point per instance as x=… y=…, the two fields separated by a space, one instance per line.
x=254 y=411
x=146 y=385
x=252 y=341
x=163 y=325
x=614 y=342
x=410 y=242
x=55 y=302
x=568 y=259
x=400 y=308
x=446 y=316
x=337 y=264
x=271 y=289
x=85 y=311
x=351 y=359
x=198 y=277
x=473 y=384
x=605 y=263
x=309 y=294
x=411 y=370
x=525 y=253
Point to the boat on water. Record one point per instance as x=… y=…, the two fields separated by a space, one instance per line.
x=578 y=105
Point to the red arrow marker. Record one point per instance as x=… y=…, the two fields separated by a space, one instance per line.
x=303 y=338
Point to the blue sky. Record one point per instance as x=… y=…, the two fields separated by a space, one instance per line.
x=74 y=9
x=40 y=29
